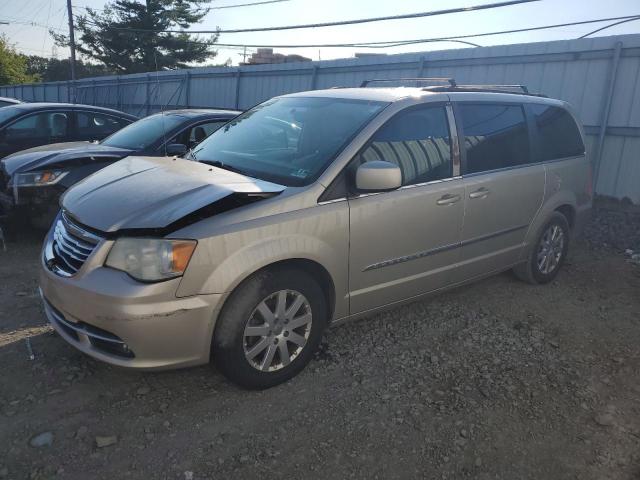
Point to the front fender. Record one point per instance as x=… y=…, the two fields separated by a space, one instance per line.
x=319 y=234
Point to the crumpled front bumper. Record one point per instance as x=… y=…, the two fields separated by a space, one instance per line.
x=100 y=310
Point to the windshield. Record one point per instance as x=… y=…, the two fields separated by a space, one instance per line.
x=290 y=140
x=7 y=113
x=143 y=133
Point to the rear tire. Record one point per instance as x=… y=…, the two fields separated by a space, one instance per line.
x=269 y=328
x=548 y=252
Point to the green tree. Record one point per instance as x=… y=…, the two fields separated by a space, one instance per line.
x=55 y=69
x=13 y=66
x=126 y=36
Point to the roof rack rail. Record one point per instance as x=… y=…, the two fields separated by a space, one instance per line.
x=452 y=86
x=516 y=89
x=450 y=81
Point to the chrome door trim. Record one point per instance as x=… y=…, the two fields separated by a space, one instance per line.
x=405 y=187
x=481 y=238
x=415 y=256
x=335 y=200
x=426 y=253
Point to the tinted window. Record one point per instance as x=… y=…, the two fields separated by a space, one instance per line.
x=558 y=134
x=495 y=136
x=418 y=142
x=143 y=133
x=8 y=112
x=202 y=131
x=191 y=137
x=50 y=125
x=96 y=126
x=288 y=140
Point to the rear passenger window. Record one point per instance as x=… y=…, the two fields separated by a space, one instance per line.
x=495 y=136
x=95 y=126
x=418 y=142
x=558 y=134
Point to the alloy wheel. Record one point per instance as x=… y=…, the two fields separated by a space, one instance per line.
x=550 y=249
x=277 y=330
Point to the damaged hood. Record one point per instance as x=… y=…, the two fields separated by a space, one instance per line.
x=153 y=193
x=57 y=154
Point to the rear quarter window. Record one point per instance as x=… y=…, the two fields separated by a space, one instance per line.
x=558 y=134
x=495 y=136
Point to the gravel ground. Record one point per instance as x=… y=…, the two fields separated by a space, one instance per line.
x=494 y=380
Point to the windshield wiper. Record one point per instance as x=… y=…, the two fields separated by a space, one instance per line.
x=219 y=164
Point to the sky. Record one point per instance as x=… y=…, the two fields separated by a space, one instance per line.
x=30 y=19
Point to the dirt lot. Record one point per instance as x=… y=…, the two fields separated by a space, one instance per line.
x=495 y=380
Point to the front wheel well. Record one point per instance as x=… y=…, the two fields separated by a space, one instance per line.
x=313 y=269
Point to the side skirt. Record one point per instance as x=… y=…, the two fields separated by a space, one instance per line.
x=415 y=298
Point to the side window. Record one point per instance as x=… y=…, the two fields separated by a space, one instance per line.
x=495 y=136
x=558 y=134
x=50 y=125
x=418 y=141
x=96 y=126
x=202 y=131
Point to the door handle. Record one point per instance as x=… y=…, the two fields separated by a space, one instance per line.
x=448 y=199
x=480 y=193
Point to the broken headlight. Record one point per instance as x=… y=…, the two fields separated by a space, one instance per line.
x=39 y=179
x=150 y=259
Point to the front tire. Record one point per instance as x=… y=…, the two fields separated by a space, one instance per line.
x=548 y=253
x=269 y=328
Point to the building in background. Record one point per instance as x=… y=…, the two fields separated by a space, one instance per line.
x=369 y=55
x=266 y=55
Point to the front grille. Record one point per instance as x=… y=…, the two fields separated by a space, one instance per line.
x=70 y=246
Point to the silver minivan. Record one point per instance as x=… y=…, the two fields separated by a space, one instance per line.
x=308 y=210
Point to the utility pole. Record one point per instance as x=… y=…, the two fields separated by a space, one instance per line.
x=72 y=46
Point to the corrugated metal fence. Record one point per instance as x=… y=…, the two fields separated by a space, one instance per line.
x=599 y=76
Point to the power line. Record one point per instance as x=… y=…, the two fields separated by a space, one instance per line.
x=394 y=43
x=248 y=4
x=212 y=8
x=609 y=26
x=434 y=13
x=30 y=24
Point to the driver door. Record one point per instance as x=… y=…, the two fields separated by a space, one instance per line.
x=405 y=242
x=36 y=129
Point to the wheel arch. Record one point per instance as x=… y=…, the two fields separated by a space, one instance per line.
x=569 y=212
x=312 y=267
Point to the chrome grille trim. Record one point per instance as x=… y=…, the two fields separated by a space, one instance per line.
x=68 y=247
x=79 y=232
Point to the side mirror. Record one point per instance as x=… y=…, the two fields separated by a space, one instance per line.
x=176 y=149
x=378 y=176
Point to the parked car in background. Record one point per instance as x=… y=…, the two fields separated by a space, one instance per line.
x=6 y=101
x=310 y=209
x=27 y=125
x=32 y=181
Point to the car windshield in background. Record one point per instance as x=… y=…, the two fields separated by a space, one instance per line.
x=288 y=140
x=6 y=113
x=143 y=133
